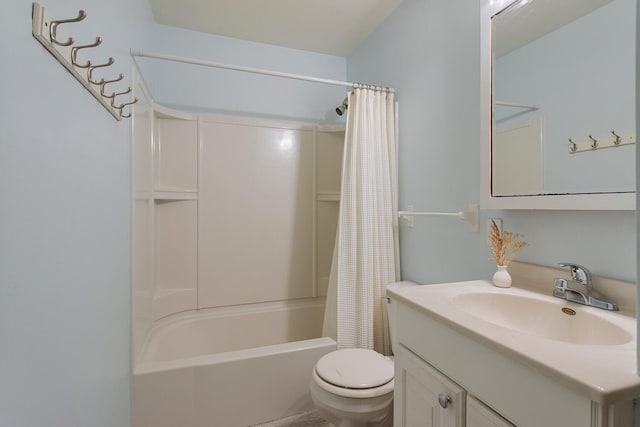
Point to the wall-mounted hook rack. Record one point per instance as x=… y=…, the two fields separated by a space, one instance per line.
x=592 y=143
x=470 y=216
x=46 y=31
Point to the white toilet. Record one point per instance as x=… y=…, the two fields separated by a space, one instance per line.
x=354 y=387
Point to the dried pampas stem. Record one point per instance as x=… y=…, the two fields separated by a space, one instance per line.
x=505 y=245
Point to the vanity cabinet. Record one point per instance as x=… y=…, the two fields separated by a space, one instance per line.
x=486 y=387
x=423 y=396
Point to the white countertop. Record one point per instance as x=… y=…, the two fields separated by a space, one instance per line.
x=603 y=373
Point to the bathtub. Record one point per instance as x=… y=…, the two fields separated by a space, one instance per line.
x=229 y=367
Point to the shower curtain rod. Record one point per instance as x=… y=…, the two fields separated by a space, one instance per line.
x=184 y=60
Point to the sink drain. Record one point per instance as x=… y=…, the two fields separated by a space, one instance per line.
x=569 y=311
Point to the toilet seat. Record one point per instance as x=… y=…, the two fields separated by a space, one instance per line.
x=355 y=368
x=359 y=373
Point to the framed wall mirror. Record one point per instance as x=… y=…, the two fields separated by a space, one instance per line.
x=558 y=104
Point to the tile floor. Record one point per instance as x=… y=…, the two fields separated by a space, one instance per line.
x=307 y=419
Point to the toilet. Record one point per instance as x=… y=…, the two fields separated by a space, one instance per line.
x=354 y=387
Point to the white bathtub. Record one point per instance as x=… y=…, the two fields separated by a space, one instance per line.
x=229 y=367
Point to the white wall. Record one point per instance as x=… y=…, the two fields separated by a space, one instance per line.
x=430 y=51
x=64 y=225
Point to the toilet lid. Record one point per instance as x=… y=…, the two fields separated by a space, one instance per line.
x=357 y=368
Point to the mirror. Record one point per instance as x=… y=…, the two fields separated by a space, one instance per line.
x=562 y=98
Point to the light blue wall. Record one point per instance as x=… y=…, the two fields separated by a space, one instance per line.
x=64 y=224
x=429 y=50
x=210 y=89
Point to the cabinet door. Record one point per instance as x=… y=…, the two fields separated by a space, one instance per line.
x=423 y=396
x=479 y=415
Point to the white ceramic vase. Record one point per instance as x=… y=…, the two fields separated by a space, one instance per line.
x=502 y=278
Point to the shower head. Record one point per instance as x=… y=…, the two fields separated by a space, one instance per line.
x=341 y=109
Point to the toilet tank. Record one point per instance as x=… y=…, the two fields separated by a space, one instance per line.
x=391 y=312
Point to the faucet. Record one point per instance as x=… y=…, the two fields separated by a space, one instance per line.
x=580 y=289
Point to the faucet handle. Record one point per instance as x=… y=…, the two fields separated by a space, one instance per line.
x=560 y=284
x=579 y=273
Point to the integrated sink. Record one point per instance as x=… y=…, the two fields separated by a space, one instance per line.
x=548 y=318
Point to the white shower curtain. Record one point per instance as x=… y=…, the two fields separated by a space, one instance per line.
x=365 y=257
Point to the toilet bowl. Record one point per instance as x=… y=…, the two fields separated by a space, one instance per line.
x=354 y=388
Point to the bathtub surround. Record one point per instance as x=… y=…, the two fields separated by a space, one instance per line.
x=234 y=220
x=193 y=230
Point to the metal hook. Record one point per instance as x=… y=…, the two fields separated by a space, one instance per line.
x=594 y=144
x=75 y=49
x=618 y=139
x=113 y=98
x=105 y=82
x=129 y=103
x=126 y=116
x=53 y=27
x=572 y=146
x=93 y=67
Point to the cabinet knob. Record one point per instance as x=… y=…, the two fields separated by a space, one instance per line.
x=444 y=400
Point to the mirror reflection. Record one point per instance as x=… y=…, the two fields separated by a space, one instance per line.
x=563 y=94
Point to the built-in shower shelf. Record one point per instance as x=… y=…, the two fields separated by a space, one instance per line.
x=168 y=292
x=328 y=197
x=170 y=196
x=331 y=128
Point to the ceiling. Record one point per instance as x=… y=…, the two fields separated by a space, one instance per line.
x=334 y=27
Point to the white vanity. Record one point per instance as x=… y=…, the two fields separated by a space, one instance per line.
x=476 y=355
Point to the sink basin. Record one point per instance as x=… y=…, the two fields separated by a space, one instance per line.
x=549 y=318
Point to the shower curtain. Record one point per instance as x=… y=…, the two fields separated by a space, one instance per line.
x=365 y=257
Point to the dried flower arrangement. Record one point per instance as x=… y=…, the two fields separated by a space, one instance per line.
x=505 y=245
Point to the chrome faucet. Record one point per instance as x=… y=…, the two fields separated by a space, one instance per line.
x=580 y=289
